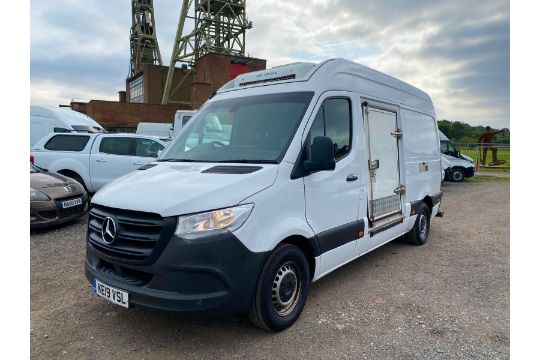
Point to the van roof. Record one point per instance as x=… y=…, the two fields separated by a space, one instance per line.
x=349 y=75
x=68 y=116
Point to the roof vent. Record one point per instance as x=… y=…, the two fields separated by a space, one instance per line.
x=262 y=81
x=224 y=169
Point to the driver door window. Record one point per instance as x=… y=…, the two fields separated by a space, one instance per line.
x=147 y=148
x=334 y=121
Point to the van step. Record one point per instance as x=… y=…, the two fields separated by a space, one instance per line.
x=385 y=223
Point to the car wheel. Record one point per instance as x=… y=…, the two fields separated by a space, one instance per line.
x=420 y=231
x=458 y=175
x=281 y=289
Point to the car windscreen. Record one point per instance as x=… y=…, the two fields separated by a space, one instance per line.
x=254 y=129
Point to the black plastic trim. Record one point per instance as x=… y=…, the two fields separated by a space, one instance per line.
x=436 y=198
x=339 y=236
x=203 y=276
x=415 y=205
x=229 y=169
x=147 y=166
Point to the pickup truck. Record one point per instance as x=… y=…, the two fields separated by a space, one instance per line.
x=95 y=159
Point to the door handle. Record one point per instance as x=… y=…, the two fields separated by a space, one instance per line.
x=138 y=163
x=351 y=178
x=101 y=160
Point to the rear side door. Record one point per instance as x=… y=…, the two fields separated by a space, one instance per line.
x=110 y=159
x=146 y=151
x=384 y=198
x=333 y=197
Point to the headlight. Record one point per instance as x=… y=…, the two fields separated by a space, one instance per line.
x=78 y=185
x=229 y=218
x=36 y=195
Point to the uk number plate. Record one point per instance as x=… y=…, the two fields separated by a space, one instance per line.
x=72 y=202
x=116 y=296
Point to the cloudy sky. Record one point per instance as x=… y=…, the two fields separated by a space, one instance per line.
x=458 y=51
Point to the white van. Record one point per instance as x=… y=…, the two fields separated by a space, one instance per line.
x=458 y=166
x=163 y=131
x=48 y=119
x=181 y=117
x=283 y=176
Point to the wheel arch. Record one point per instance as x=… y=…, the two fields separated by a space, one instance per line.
x=73 y=174
x=308 y=246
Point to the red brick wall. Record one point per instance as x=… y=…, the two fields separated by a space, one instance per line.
x=213 y=71
x=116 y=114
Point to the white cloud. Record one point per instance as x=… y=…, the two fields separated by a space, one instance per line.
x=456 y=51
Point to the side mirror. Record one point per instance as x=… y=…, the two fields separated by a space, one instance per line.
x=322 y=155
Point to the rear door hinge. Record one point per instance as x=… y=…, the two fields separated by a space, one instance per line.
x=397 y=133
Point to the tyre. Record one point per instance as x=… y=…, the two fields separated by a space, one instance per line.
x=457 y=175
x=281 y=289
x=420 y=231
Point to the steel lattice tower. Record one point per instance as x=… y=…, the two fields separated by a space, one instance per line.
x=144 y=46
x=220 y=27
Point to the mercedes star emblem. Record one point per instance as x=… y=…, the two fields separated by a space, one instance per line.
x=108 y=230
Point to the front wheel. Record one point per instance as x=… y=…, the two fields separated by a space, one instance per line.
x=281 y=289
x=458 y=175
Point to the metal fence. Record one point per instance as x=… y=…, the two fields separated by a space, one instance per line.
x=487 y=155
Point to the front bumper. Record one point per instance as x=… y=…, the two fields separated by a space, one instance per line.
x=47 y=213
x=469 y=171
x=207 y=276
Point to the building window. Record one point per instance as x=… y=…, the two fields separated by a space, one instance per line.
x=136 y=90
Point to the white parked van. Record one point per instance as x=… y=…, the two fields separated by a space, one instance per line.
x=283 y=176
x=458 y=166
x=163 y=131
x=180 y=119
x=50 y=119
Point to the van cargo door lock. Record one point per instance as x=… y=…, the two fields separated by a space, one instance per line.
x=400 y=189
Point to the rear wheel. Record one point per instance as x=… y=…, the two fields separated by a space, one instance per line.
x=281 y=289
x=420 y=231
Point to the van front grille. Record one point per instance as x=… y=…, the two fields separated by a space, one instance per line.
x=140 y=236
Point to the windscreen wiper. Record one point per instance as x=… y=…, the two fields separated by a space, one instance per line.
x=176 y=160
x=246 y=161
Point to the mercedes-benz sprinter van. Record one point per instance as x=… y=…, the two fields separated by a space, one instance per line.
x=280 y=178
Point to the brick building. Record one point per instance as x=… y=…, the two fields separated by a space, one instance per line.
x=141 y=102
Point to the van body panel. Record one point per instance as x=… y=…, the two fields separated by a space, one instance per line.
x=189 y=189
x=421 y=155
x=279 y=207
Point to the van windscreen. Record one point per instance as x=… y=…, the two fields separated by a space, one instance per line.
x=252 y=129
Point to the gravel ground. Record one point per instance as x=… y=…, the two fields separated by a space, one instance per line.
x=448 y=299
